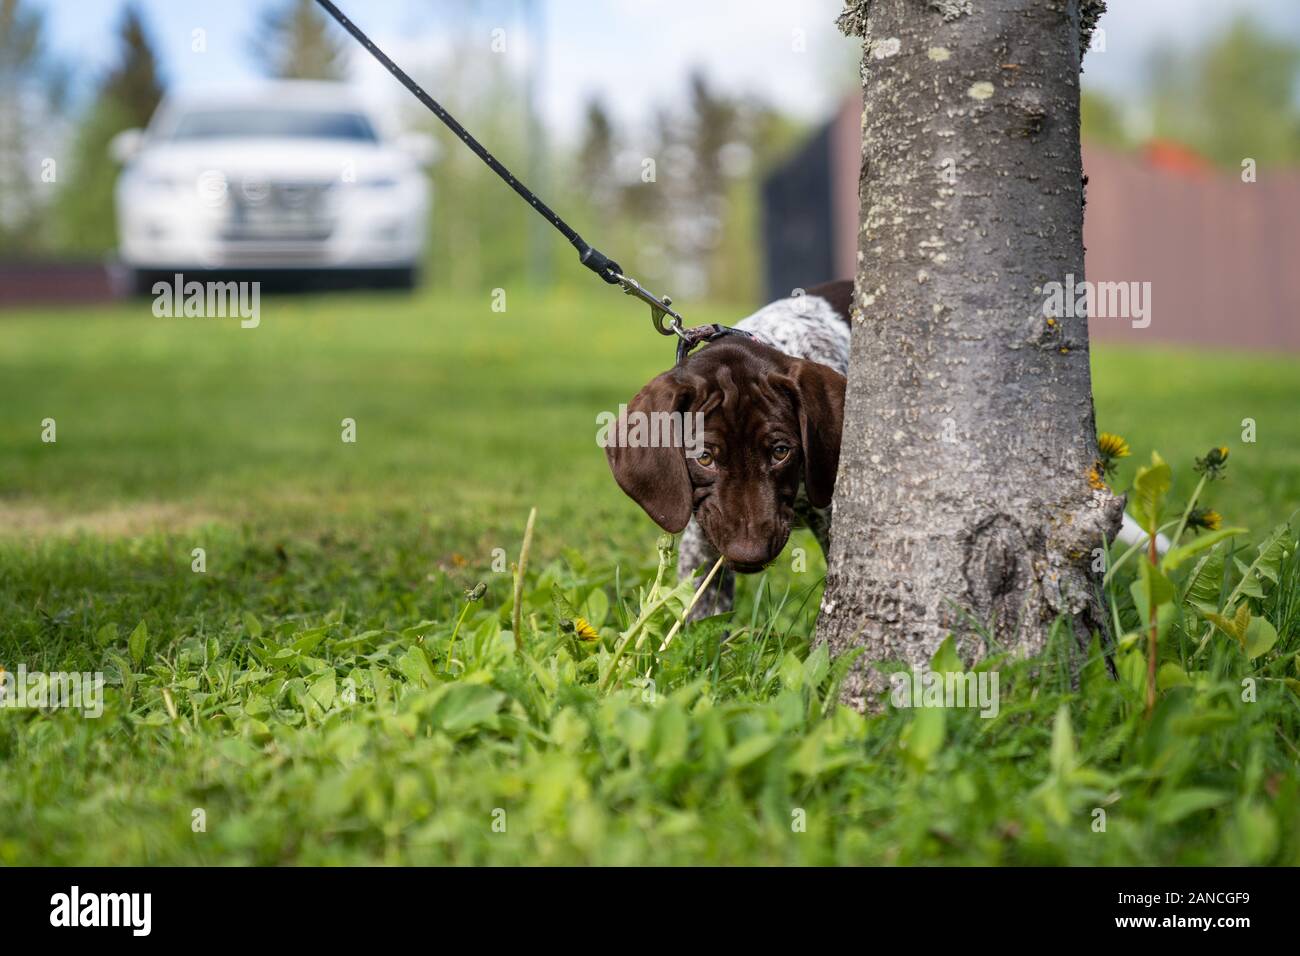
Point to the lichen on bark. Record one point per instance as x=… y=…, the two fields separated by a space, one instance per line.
x=1090 y=12
x=853 y=20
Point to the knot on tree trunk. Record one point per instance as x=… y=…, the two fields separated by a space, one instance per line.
x=998 y=569
x=1074 y=553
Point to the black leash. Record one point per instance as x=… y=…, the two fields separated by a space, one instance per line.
x=588 y=255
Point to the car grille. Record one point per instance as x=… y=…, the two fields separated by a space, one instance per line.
x=291 y=212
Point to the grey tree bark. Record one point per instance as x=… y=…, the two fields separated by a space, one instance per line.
x=963 y=503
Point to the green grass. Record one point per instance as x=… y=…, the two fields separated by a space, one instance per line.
x=298 y=691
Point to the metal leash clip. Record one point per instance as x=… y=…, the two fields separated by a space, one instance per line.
x=659 y=308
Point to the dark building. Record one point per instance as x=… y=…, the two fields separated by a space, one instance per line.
x=1220 y=253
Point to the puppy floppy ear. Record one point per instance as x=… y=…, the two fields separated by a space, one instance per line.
x=655 y=478
x=819 y=397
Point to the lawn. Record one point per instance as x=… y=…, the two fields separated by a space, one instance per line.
x=300 y=700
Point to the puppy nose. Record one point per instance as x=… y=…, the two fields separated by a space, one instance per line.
x=750 y=553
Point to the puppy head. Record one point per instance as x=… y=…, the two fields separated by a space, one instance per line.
x=770 y=423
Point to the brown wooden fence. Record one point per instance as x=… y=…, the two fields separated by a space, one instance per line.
x=1222 y=256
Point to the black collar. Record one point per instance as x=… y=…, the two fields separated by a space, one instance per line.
x=688 y=339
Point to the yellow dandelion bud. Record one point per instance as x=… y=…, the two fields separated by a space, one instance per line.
x=1214 y=463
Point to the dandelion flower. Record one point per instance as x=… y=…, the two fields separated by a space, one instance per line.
x=580 y=627
x=1204 y=519
x=1112 y=446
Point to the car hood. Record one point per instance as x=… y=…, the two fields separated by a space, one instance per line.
x=274 y=159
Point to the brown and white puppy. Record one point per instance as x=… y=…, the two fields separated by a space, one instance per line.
x=772 y=408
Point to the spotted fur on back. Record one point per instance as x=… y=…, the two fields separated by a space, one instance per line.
x=812 y=326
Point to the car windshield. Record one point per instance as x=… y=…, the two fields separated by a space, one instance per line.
x=263 y=123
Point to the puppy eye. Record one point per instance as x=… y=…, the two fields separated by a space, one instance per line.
x=781 y=453
x=705 y=459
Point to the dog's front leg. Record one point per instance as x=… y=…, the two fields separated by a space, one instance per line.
x=695 y=554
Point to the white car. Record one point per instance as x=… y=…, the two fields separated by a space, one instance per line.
x=288 y=176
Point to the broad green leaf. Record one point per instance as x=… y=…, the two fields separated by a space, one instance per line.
x=466 y=706
x=1256 y=832
x=1205 y=586
x=750 y=749
x=1250 y=583
x=251 y=624
x=1179 y=556
x=564 y=609
x=323 y=690
x=671 y=734
x=1149 y=580
x=308 y=640
x=1171 y=675
x=816 y=666
x=1150 y=486
x=1183 y=803
x=415 y=665
x=945 y=660
x=1271 y=553
x=137 y=642
x=1132 y=665
x=1260 y=637
x=106 y=635
x=569 y=730
x=597 y=607
x=923 y=737
x=1158 y=586
x=791 y=671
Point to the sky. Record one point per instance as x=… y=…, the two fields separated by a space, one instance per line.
x=636 y=52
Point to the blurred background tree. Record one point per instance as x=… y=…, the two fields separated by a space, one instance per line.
x=296 y=41
x=674 y=193
x=126 y=99
x=1102 y=121
x=32 y=93
x=1231 y=98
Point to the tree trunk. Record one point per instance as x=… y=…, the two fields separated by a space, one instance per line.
x=963 y=504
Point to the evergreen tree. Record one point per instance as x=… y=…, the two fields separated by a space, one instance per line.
x=127 y=97
x=133 y=85
x=295 y=42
